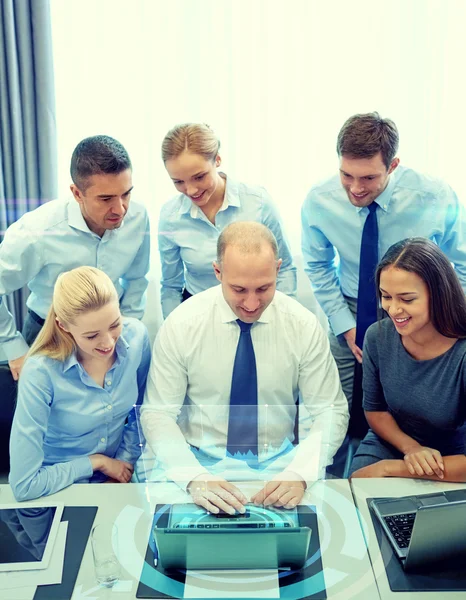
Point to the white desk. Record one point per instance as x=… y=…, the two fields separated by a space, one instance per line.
x=347 y=570
x=373 y=488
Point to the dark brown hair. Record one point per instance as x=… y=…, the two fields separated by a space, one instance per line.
x=97 y=155
x=365 y=135
x=447 y=301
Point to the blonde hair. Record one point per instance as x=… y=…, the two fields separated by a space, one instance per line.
x=75 y=293
x=197 y=138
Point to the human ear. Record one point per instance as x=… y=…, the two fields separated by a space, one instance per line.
x=78 y=195
x=61 y=326
x=393 y=165
x=217 y=271
x=279 y=264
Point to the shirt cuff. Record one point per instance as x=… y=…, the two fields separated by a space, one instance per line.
x=82 y=468
x=15 y=348
x=342 y=321
x=183 y=476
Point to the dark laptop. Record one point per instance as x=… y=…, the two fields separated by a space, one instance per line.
x=424 y=529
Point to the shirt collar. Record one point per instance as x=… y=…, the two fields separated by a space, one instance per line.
x=383 y=200
x=231 y=199
x=121 y=353
x=76 y=220
x=75 y=217
x=228 y=316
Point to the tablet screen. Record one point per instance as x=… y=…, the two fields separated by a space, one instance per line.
x=27 y=535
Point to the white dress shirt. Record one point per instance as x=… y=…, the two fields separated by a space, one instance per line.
x=187 y=398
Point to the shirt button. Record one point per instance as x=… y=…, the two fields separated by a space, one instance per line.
x=109 y=407
x=102 y=440
x=109 y=382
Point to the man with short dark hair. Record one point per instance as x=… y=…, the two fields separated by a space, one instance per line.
x=99 y=228
x=227 y=369
x=343 y=241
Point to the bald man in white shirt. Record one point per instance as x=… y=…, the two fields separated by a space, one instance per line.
x=189 y=410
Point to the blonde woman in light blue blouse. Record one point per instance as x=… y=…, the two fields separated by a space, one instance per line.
x=208 y=201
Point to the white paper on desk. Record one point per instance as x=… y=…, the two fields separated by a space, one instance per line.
x=52 y=574
x=241 y=583
x=20 y=593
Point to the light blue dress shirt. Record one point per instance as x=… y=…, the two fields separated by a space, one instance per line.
x=55 y=238
x=188 y=240
x=63 y=416
x=412 y=205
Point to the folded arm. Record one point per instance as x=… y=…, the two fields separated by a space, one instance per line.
x=454 y=470
x=29 y=478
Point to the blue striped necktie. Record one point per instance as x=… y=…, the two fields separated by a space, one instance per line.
x=242 y=422
x=367 y=294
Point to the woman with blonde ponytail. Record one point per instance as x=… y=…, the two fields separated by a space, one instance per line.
x=75 y=420
x=207 y=201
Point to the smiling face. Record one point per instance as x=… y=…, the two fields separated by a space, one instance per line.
x=364 y=179
x=197 y=178
x=405 y=298
x=105 y=201
x=96 y=332
x=248 y=280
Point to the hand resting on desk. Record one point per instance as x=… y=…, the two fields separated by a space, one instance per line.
x=454 y=470
x=115 y=469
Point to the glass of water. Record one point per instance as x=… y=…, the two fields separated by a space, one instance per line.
x=104 y=540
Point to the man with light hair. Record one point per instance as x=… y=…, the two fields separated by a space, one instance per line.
x=227 y=370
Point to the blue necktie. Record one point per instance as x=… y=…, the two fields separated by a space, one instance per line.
x=367 y=294
x=242 y=422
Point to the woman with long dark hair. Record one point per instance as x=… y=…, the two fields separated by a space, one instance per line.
x=414 y=369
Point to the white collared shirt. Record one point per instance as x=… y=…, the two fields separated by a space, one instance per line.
x=187 y=398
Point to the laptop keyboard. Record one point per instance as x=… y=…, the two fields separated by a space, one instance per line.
x=401 y=527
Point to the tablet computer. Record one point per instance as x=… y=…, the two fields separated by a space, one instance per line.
x=27 y=535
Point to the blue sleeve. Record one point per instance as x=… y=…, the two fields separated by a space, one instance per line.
x=133 y=438
x=286 y=280
x=29 y=478
x=20 y=261
x=321 y=267
x=172 y=282
x=134 y=281
x=453 y=243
